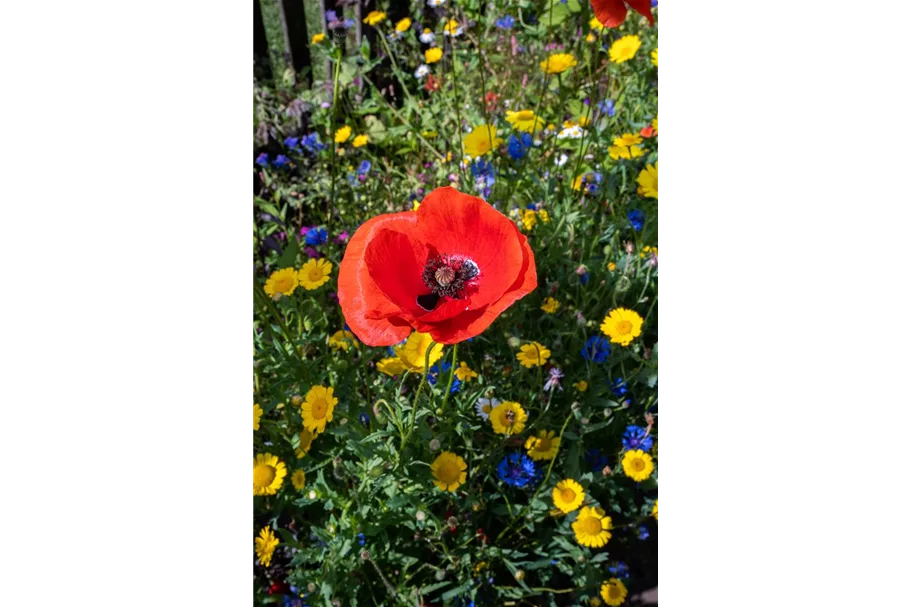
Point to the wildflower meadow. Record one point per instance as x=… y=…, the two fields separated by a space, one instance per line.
x=456 y=307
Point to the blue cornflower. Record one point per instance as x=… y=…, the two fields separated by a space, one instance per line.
x=636 y=219
x=592 y=181
x=518 y=146
x=654 y=3
x=620 y=570
x=365 y=419
x=607 y=107
x=281 y=161
x=596 y=349
x=364 y=168
x=517 y=469
x=262 y=160
x=643 y=532
x=316 y=236
x=331 y=16
x=360 y=539
x=437 y=372
x=505 y=23
x=311 y=143
x=484 y=177
x=596 y=459
x=619 y=387
x=291 y=142
x=584 y=278
x=635 y=438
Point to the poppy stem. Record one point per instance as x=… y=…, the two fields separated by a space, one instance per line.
x=455 y=354
x=417 y=395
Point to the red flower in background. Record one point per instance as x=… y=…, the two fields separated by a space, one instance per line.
x=432 y=84
x=491 y=99
x=448 y=269
x=612 y=13
x=647 y=131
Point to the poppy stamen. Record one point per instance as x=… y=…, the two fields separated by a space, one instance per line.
x=450 y=276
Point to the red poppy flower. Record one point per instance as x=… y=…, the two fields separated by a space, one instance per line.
x=647 y=131
x=448 y=269
x=612 y=13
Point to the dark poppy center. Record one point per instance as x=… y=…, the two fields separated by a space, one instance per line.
x=447 y=276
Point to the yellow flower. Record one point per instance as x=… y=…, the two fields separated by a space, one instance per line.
x=265 y=545
x=415 y=206
x=613 y=592
x=480 y=140
x=577 y=182
x=532 y=355
x=529 y=219
x=359 y=141
x=413 y=351
x=342 y=135
x=525 y=120
x=298 y=479
x=543 y=216
x=590 y=37
x=341 y=340
x=305 y=442
x=429 y=134
x=655 y=57
x=314 y=273
x=317 y=38
x=594 y=602
x=655 y=126
x=550 y=305
x=449 y=471
x=581 y=385
x=655 y=510
x=595 y=24
x=391 y=366
x=592 y=527
x=627 y=139
x=268 y=474
x=432 y=55
x=622 y=326
x=543 y=446
x=568 y=495
x=464 y=372
x=508 y=418
x=317 y=408
x=624 y=49
x=637 y=464
x=452 y=28
x=403 y=25
x=558 y=63
x=616 y=152
x=257 y=413
x=282 y=281
x=374 y=17
x=648 y=181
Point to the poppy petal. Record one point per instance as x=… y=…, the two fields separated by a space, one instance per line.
x=395 y=263
x=643 y=7
x=459 y=224
x=367 y=310
x=610 y=13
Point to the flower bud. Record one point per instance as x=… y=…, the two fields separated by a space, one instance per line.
x=514 y=342
x=435 y=444
x=520 y=575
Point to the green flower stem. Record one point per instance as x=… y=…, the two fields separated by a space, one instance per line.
x=406 y=123
x=540 y=486
x=455 y=353
x=455 y=88
x=417 y=395
x=335 y=76
x=395 y=65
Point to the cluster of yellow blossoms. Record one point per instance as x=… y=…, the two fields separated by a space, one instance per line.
x=312 y=275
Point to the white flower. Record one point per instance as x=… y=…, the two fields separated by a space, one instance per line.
x=420 y=515
x=422 y=71
x=435 y=3
x=484 y=406
x=561 y=160
x=427 y=37
x=573 y=132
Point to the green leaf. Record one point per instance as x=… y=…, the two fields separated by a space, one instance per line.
x=574 y=6
x=376 y=130
x=289 y=255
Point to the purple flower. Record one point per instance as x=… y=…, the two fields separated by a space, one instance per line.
x=635 y=438
x=554 y=380
x=262 y=160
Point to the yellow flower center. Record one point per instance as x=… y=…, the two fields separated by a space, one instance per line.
x=448 y=472
x=591 y=525
x=283 y=283
x=263 y=476
x=525 y=115
x=318 y=408
x=314 y=274
x=568 y=495
x=624 y=327
x=485 y=408
x=638 y=465
x=613 y=592
x=544 y=444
